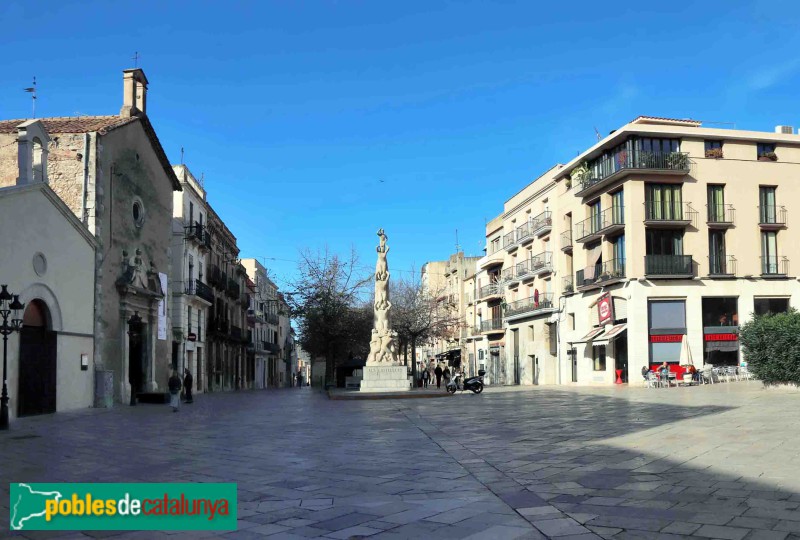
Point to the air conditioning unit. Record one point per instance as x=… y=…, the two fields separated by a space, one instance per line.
x=787 y=130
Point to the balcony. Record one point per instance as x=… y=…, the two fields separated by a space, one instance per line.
x=490 y=291
x=774 y=266
x=509 y=276
x=668 y=266
x=245 y=300
x=272 y=318
x=217 y=325
x=535 y=305
x=271 y=347
x=492 y=326
x=195 y=287
x=720 y=216
x=524 y=233
x=214 y=275
x=566 y=241
x=492 y=259
x=601 y=274
x=609 y=221
x=541 y=224
x=721 y=266
x=510 y=241
x=625 y=162
x=771 y=217
x=195 y=232
x=233 y=289
x=542 y=263
x=523 y=270
x=568 y=285
x=668 y=215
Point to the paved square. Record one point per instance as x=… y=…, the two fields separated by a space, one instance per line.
x=719 y=461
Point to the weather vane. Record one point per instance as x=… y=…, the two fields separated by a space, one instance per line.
x=32 y=91
x=135 y=59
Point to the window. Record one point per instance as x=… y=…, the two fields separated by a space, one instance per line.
x=618 y=252
x=553 y=335
x=667 y=326
x=713 y=149
x=594 y=214
x=766 y=204
x=659 y=145
x=663 y=242
x=716 y=253
x=599 y=357
x=716 y=204
x=571 y=318
x=720 y=311
x=189 y=318
x=191 y=213
x=663 y=202
x=765 y=149
x=769 y=252
x=530 y=333
x=494 y=245
x=138 y=213
x=764 y=306
x=618 y=207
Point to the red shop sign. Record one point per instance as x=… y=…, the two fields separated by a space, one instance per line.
x=605 y=310
x=666 y=338
x=722 y=337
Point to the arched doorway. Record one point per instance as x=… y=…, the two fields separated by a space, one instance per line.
x=37 y=362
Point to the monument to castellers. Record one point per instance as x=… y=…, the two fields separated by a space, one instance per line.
x=383 y=372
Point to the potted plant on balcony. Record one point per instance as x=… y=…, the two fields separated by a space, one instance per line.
x=677 y=160
x=714 y=153
x=768 y=156
x=580 y=174
x=647 y=160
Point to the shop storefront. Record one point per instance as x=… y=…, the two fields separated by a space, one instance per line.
x=666 y=330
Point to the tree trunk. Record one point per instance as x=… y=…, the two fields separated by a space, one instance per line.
x=405 y=352
x=330 y=368
x=414 y=359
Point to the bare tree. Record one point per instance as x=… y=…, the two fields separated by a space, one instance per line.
x=328 y=304
x=418 y=316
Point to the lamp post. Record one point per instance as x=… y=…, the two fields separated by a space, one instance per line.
x=8 y=303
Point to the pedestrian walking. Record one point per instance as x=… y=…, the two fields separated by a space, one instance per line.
x=425 y=377
x=188 y=381
x=174 y=391
x=446 y=375
x=438 y=372
x=299 y=380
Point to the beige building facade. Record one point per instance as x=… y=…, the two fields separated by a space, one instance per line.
x=49 y=261
x=664 y=231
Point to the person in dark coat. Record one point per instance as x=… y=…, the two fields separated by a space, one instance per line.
x=188 y=380
x=438 y=372
x=174 y=386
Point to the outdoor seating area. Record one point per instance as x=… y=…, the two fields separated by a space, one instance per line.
x=682 y=376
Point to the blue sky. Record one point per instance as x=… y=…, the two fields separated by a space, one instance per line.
x=315 y=123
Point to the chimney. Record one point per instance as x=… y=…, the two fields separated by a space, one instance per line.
x=134 y=93
x=787 y=130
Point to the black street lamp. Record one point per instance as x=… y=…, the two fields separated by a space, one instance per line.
x=8 y=303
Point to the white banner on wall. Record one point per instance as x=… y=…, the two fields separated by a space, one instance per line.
x=162 y=308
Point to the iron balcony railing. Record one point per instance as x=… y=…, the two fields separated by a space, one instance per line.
x=721 y=214
x=217 y=325
x=245 y=300
x=508 y=274
x=668 y=211
x=542 y=262
x=195 y=231
x=509 y=239
x=272 y=318
x=769 y=214
x=721 y=265
x=566 y=240
x=774 y=265
x=523 y=231
x=600 y=273
x=625 y=159
x=214 y=275
x=543 y=301
x=600 y=223
x=668 y=265
x=490 y=290
x=271 y=347
x=491 y=325
x=523 y=269
x=233 y=288
x=541 y=222
x=568 y=285
x=200 y=289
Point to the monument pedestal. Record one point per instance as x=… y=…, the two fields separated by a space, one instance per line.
x=384 y=379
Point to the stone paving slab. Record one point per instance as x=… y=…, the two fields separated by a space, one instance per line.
x=710 y=462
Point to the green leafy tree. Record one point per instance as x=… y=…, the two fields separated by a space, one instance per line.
x=771 y=346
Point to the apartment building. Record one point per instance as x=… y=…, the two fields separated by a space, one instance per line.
x=258 y=313
x=666 y=231
x=191 y=295
x=447 y=282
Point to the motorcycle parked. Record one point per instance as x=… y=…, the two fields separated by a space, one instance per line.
x=475 y=384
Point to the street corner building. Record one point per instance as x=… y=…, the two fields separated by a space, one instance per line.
x=114 y=177
x=663 y=232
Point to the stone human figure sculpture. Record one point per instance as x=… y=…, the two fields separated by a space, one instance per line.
x=382 y=347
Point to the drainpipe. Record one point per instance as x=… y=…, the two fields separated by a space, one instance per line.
x=84 y=193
